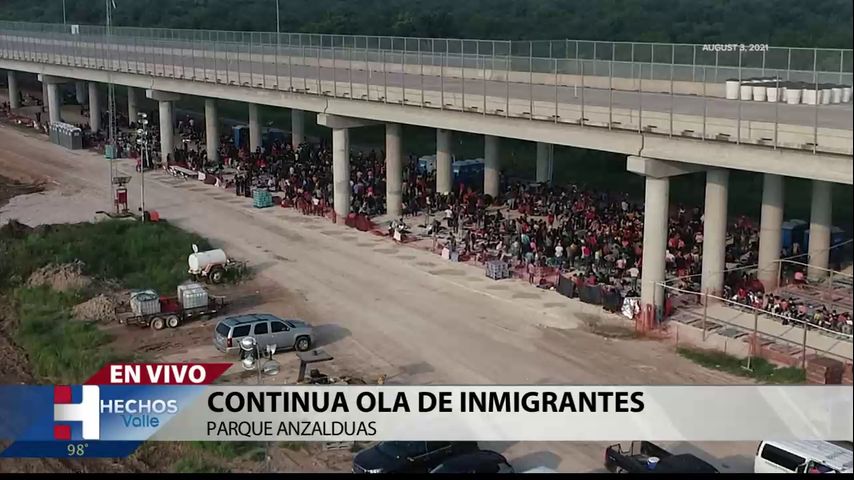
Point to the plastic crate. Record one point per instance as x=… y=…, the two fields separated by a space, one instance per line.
x=261 y=198
x=497 y=270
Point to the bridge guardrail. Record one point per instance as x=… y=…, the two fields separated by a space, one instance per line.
x=599 y=85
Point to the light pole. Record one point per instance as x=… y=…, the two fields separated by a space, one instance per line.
x=63 y=13
x=143 y=140
x=252 y=360
x=278 y=44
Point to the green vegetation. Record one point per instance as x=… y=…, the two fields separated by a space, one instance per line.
x=138 y=255
x=213 y=457
x=760 y=369
x=230 y=450
x=60 y=349
x=197 y=464
x=777 y=22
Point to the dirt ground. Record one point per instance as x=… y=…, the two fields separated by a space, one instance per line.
x=379 y=308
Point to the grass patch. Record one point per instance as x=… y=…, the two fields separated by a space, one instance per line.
x=197 y=464
x=760 y=369
x=138 y=255
x=295 y=446
x=60 y=349
x=230 y=450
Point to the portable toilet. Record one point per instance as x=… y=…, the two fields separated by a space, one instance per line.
x=793 y=232
x=271 y=136
x=837 y=236
x=76 y=139
x=426 y=164
x=241 y=135
x=468 y=172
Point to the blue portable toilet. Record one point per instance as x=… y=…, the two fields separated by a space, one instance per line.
x=241 y=135
x=793 y=232
x=837 y=236
x=271 y=136
x=468 y=172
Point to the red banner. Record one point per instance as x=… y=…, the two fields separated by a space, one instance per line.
x=158 y=373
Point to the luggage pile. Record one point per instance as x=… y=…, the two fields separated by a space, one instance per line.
x=497 y=270
x=261 y=198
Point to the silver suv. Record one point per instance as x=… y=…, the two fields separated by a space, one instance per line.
x=267 y=329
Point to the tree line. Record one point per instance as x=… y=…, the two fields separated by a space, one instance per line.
x=823 y=23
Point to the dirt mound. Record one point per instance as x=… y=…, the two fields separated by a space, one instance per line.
x=97 y=309
x=61 y=278
x=14 y=229
x=12 y=188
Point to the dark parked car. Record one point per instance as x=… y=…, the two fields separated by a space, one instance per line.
x=484 y=461
x=408 y=457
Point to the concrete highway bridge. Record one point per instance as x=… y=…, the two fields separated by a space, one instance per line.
x=671 y=109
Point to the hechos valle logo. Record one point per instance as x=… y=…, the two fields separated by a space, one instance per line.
x=87 y=412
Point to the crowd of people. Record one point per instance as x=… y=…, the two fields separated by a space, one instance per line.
x=789 y=309
x=570 y=228
x=591 y=234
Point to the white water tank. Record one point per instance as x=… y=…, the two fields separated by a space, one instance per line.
x=836 y=94
x=144 y=302
x=809 y=96
x=846 y=93
x=192 y=295
x=759 y=92
x=746 y=91
x=731 y=88
x=199 y=261
x=772 y=94
x=793 y=95
x=826 y=94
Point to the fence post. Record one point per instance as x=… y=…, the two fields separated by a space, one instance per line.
x=754 y=347
x=705 y=312
x=830 y=291
x=804 y=356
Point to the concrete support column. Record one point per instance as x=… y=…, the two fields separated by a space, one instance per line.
x=94 y=107
x=545 y=162
x=167 y=119
x=490 y=165
x=14 y=94
x=45 y=100
x=656 y=201
x=167 y=129
x=770 y=230
x=211 y=130
x=54 y=102
x=133 y=109
x=444 y=174
x=714 y=231
x=394 y=170
x=341 y=171
x=820 y=225
x=81 y=92
x=254 y=128
x=297 y=128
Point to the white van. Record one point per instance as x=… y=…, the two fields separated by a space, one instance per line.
x=802 y=456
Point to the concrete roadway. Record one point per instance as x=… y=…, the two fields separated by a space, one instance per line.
x=826 y=116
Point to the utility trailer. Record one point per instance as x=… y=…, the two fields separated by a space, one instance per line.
x=647 y=457
x=172 y=313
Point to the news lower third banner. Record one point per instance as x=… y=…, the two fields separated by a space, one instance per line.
x=124 y=405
